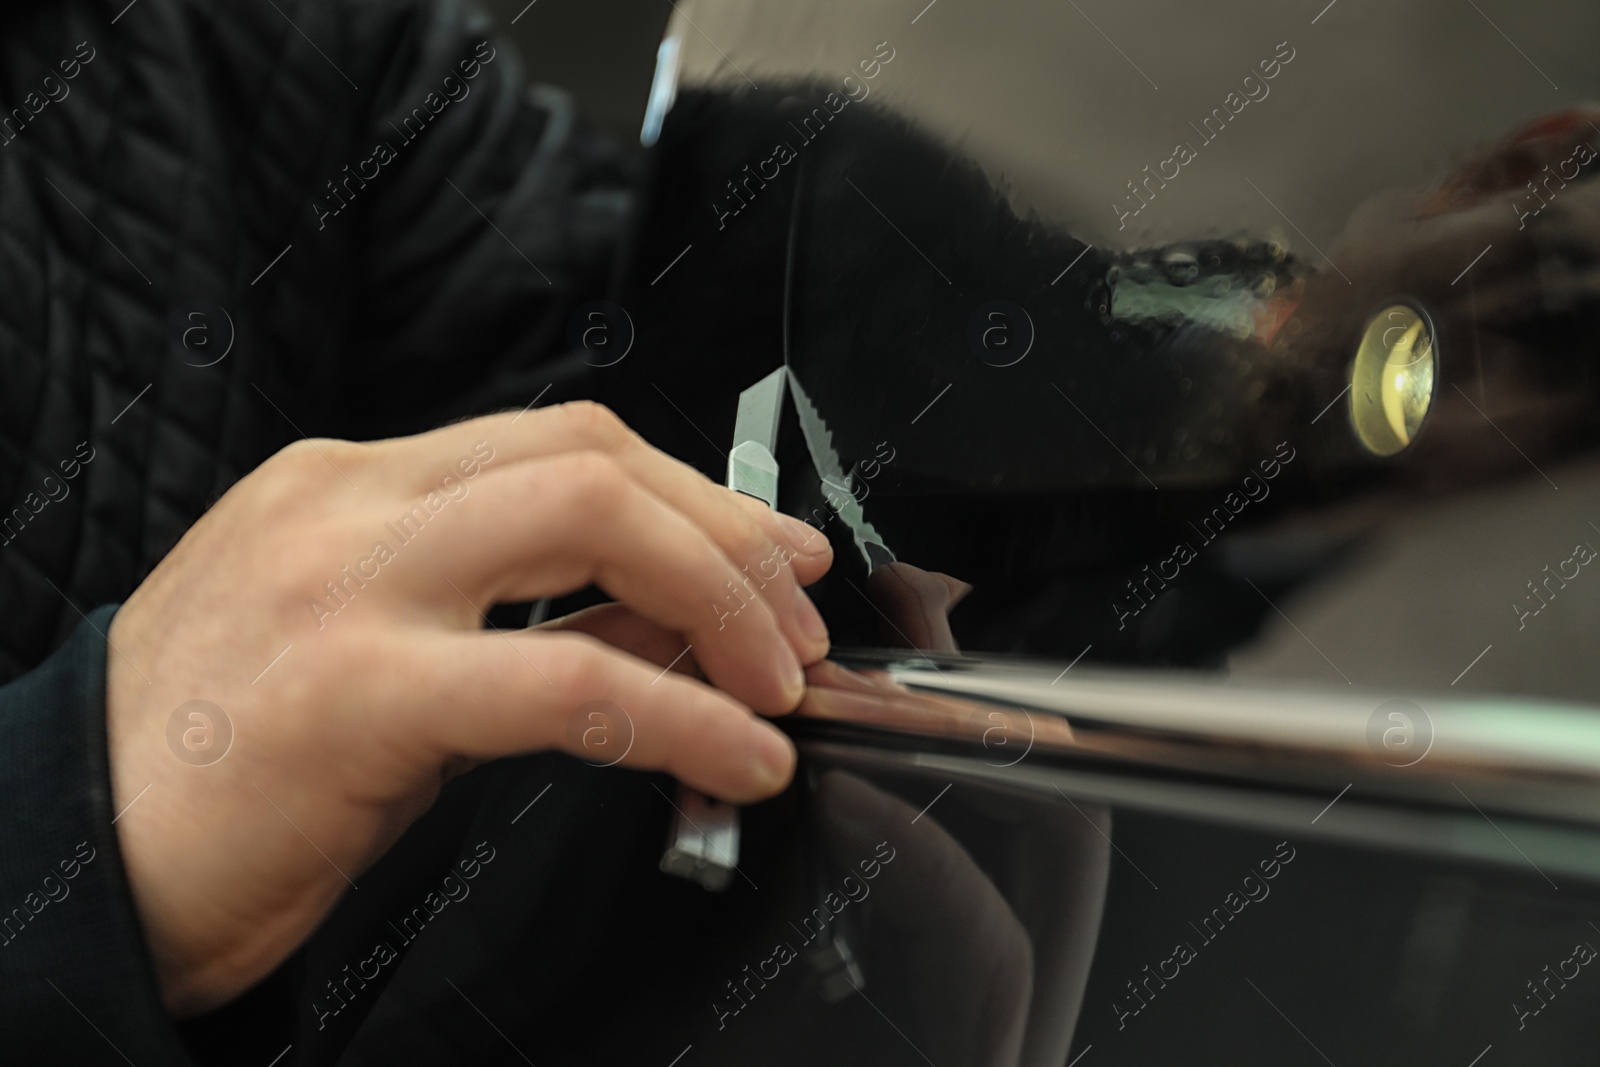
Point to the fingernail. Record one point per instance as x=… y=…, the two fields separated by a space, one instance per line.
x=810 y=620
x=772 y=757
x=795 y=684
x=804 y=537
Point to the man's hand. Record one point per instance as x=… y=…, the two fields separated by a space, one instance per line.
x=330 y=605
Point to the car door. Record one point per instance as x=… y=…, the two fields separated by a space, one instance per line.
x=1201 y=406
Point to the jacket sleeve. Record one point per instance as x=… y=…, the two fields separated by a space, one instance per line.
x=76 y=980
x=493 y=212
x=486 y=213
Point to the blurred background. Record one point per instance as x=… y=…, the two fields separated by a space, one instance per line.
x=602 y=51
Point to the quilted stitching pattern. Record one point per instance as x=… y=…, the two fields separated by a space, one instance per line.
x=184 y=159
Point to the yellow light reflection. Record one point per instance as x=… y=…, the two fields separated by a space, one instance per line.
x=1392 y=379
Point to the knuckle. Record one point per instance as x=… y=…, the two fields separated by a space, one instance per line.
x=746 y=541
x=313 y=451
x=596 y=484
x=575 y=663
x=596 y=425
x=310 y=461
x=700 y=724
x=292 y=462
x=757 y=520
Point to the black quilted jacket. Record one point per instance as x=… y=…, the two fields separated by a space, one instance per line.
x=225 y=224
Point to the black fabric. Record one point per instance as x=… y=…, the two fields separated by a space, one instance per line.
x=183 y=166
x=189 y=151
x=75 y=975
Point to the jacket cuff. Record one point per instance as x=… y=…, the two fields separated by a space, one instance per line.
x=77 y=984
